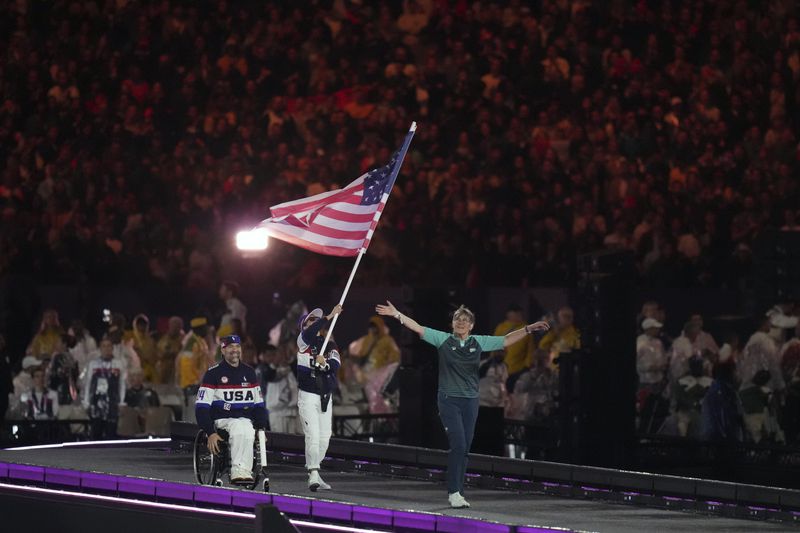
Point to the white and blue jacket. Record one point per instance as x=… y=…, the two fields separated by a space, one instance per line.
x=310 y=377
x=230 y=392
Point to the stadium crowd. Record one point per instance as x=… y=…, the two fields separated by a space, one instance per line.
x=137 y=136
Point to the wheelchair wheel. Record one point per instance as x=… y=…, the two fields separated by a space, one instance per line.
x=206 y=464
x=265 y=485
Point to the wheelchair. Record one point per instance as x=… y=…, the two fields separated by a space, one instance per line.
x=209 y=469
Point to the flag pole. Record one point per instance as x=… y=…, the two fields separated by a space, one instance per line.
x=363 y=250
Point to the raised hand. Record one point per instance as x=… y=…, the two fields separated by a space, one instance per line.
x=386 y=310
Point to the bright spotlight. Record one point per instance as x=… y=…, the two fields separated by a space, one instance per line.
x=253 y=240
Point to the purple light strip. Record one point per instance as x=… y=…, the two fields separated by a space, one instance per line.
x=176 y=507
x=88 y=443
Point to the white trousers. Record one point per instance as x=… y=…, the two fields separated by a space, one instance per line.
x=281 y=423
x=316 y=426
x=241 y=437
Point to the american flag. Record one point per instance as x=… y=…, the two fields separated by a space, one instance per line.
x=339 y=222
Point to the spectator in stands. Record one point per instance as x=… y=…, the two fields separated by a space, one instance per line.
x=563 y=337
x=761 y=353
x=167 y=349
x=138 y=395
x=40 y=402
x=144 y=345
x=282 y=391
x=684 y=348
x=83 y=345
x=229 y=294
x=48 y=335
x=722 y=410
x=534 y=394
x=62 y=372
x=517 y=357
x=122 y=348
x=369 y=361
x=687 y=396
x=23 y=381
x=104 y=391
x=492 y=402
x=704 y=341
x=757 y=404
x=193 y=360
x=651 y=366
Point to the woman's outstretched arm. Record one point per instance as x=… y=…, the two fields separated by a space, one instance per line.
x=391 y=310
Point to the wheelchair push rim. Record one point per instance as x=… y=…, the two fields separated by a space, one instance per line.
x=205 y=463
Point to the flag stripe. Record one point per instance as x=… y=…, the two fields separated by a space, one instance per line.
x=340 y=222
x=343 y=225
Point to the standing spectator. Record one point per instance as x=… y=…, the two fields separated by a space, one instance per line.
x=229 y=294
x=651 y=366
x=23 y=381
x=684 y=348
x=563 y=338
x=492 y=402
x=123 y=349
x=104 y=391
x=63 y=372
x=282 y=392
x=533 y=398
x=517 y=356
x=761 y=353
x=167 y=349
x=368 y=362
x=192 y=362
x=144 y=345
x=83 y=345
x=722 y=412
x=704 y=341
x=40 y=402
x=48 y=335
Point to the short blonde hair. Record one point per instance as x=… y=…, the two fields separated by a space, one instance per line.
x=465 y=312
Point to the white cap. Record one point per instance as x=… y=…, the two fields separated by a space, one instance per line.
x=28 y=361
x=317 y=312
x=648 y=323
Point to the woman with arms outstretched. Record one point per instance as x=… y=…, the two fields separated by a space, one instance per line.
x=459 y=358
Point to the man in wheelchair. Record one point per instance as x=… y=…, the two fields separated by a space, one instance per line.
x=230 y=399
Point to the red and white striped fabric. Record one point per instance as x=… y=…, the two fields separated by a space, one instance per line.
x=339 y=222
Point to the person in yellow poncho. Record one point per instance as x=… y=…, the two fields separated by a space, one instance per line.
x=519 y=355
x=167 y=349
x=145 y=346
x=48 y=336
x=194 y=358
x=369 y=362
x=563 y=338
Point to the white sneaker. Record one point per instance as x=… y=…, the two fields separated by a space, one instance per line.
x=457 y=501
x=239 y=475
x=322 y=484
x=313 y=480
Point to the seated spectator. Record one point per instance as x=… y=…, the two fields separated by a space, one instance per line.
x=138 y=395
x=757 y=407
x=40 y=402
x=563 y=338
x=23 y=381
x=367 y=360
x=533 y=398
x=687 y=395
x=518 y=356
x=48 y=335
